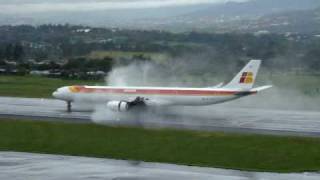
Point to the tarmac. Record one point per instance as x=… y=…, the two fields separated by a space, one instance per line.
x=225 y=117
x=31 y=166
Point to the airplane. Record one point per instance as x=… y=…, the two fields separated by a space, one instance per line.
x=122 y=99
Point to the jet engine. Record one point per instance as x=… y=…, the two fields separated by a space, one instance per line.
x=118 y=106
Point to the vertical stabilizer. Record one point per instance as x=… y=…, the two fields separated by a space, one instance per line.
x=245 y=79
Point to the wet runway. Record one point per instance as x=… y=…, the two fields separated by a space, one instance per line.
x=225 y=117
x=21 y=166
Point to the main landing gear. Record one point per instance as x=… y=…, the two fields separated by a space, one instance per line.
x=69 y=106
x=139 y=101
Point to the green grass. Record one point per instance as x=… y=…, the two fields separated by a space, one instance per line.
x=33 y=86
x=245 y=152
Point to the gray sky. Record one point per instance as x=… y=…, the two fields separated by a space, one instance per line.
x=34 y=6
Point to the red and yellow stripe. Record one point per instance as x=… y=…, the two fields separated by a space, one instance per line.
x=186 y=92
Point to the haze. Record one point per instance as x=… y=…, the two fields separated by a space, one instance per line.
x=32 y=6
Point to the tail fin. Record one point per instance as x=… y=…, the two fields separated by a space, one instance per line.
x=245 y=79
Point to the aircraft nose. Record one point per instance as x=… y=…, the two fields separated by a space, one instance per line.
x=61 y=93
x=55 y=94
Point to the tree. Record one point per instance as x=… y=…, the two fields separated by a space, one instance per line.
x=312 y=58
x=8 y=51
x=18 y=52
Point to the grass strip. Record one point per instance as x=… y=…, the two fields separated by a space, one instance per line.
x=235 y=151
x=35 y=86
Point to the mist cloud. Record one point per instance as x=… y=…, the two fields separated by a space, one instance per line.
x=36 y=6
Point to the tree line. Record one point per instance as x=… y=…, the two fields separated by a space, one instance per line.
x=70 y=45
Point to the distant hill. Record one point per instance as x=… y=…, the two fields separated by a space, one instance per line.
x=278 y=16
x=119 y=17
x=274 y=15
x=254 y=8
x=250 y=16
x=302 y=21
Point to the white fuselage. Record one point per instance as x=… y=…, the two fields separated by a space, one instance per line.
x=124 y=98
x=152 y=96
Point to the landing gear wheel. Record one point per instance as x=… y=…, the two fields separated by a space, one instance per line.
x=69 y=106
x=138 y=101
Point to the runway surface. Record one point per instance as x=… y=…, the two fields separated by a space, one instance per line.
x=226 y=117
x=21 y=166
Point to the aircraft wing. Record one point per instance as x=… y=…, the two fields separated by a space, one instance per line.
x=148 y=102
x=157 y=102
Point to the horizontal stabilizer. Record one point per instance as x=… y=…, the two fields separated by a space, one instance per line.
x=261 y=88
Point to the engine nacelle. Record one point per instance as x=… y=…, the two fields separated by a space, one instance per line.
x=118 y=106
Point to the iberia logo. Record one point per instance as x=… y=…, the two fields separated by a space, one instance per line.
x=246 y=78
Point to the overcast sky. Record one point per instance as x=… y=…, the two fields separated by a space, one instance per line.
x=33 y=6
